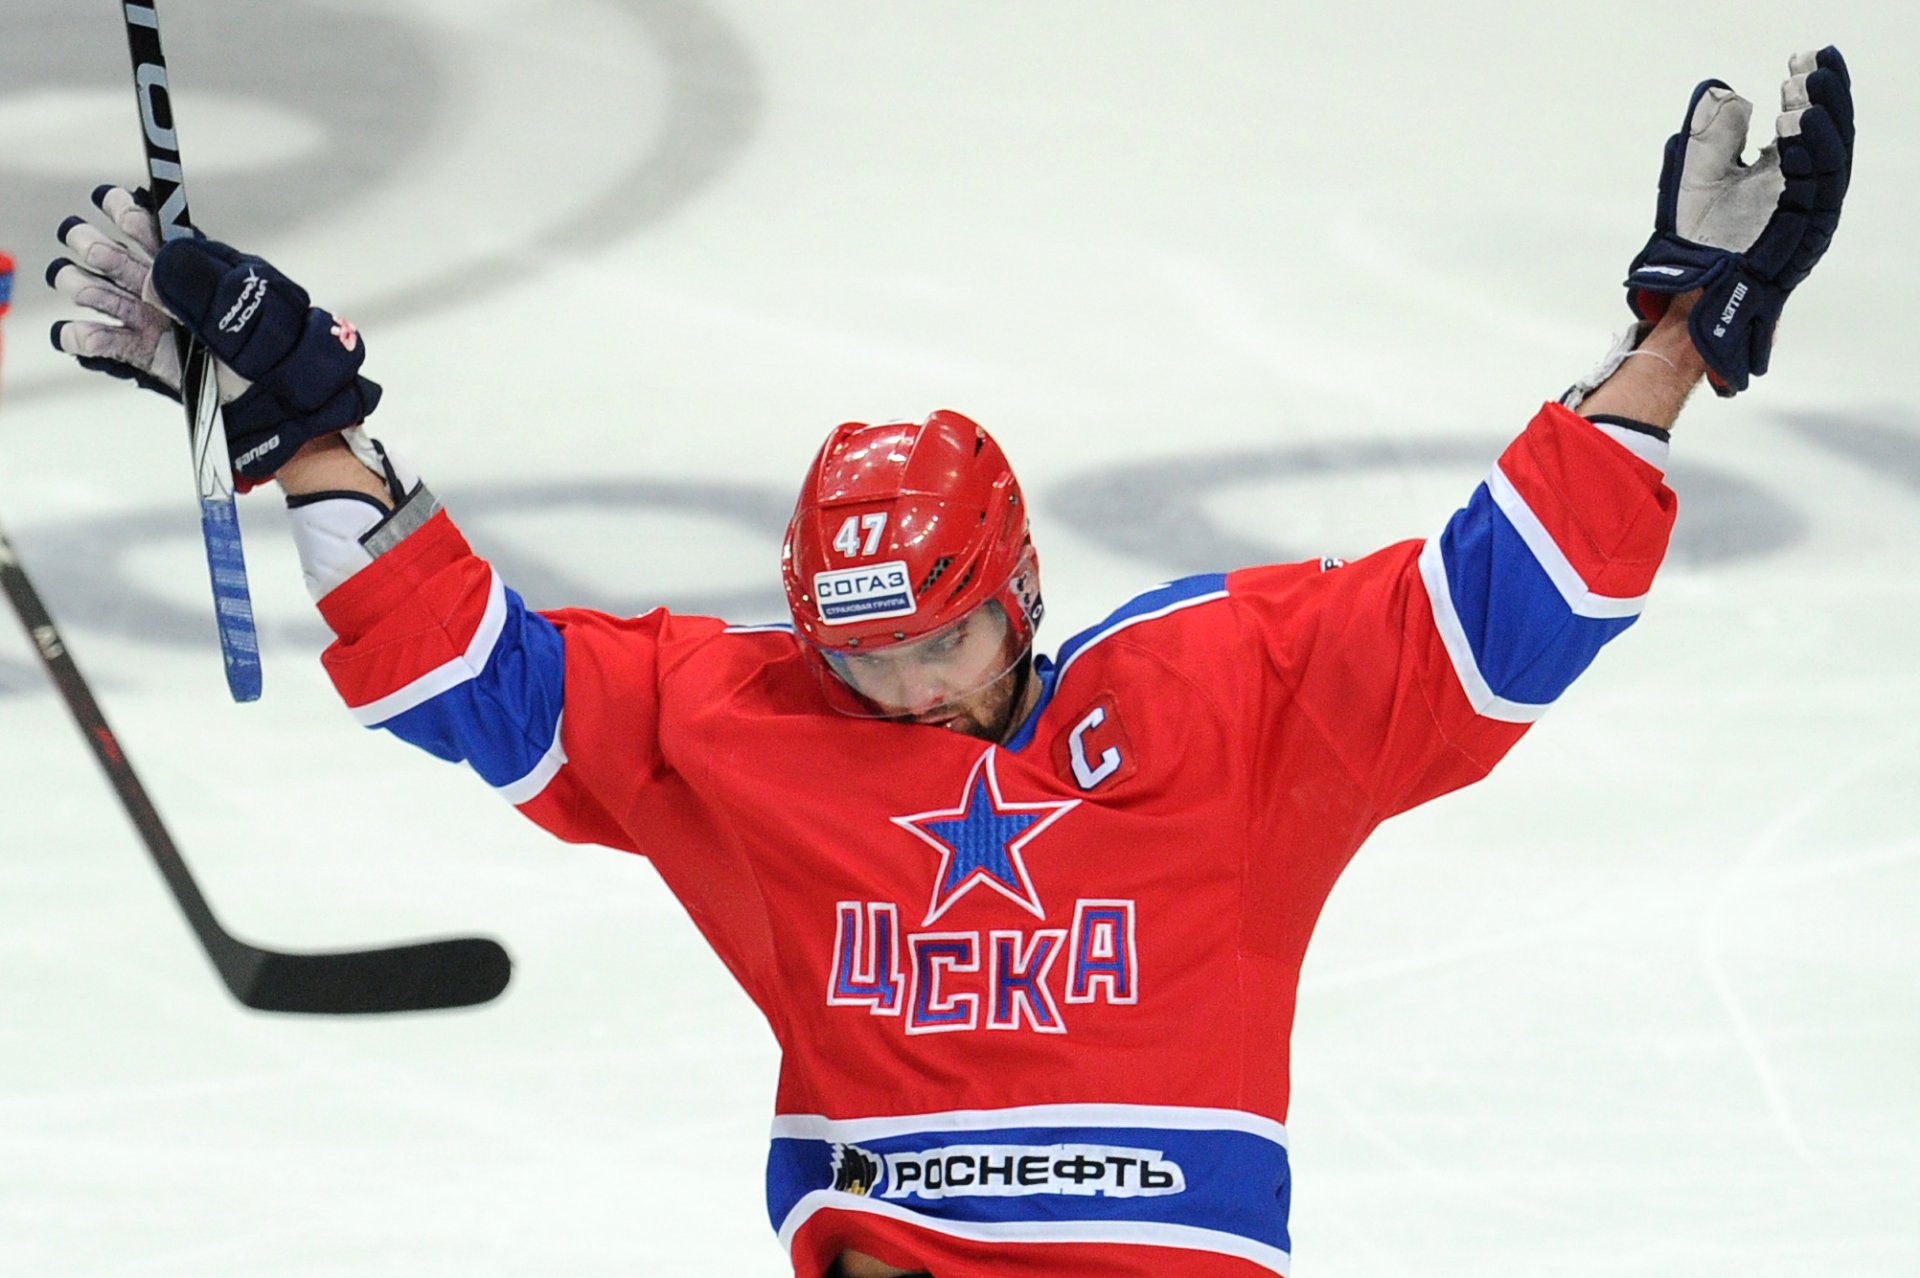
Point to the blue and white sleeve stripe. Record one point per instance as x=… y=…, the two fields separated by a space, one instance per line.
x=1518 y=621
x=496 y=707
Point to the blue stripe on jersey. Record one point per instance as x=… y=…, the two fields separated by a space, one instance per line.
x=1047 y=674
x=1209 y=1189
x=1169 y=597
x=1527 y=641
x=503 y=720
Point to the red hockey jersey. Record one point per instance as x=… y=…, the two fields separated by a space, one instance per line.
x=1033 y=1000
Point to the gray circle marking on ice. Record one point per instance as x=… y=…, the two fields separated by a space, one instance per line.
x=375 y=86
x=1869 y=440
x=82 y=564
x=1157 y=510
x=341 y=70
x=760 y=511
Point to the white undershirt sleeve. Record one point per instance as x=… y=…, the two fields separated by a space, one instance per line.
x=339 y=533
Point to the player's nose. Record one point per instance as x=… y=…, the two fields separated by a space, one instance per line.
x=922 y=690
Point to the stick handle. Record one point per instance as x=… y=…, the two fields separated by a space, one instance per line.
x=167 y=180
x=199 y=390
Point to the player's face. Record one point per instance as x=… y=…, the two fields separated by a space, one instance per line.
x=961 y=678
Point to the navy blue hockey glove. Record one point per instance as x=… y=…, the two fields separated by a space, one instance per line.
x=288 y=371
x=1744 y=233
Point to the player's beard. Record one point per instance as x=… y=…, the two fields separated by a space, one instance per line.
x=990 y=714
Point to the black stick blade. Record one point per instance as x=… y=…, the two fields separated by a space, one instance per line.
x=407 y=978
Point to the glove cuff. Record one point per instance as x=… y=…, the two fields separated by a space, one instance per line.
x=1668 y=266
x=339 y=533
x=1732 y=327
x=315 y=391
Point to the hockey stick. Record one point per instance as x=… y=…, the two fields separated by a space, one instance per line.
x=219 y=519
x=408 y=978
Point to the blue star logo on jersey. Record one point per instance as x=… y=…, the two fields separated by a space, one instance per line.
x=982 y=841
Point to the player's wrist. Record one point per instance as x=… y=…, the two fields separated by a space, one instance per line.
x=349 y=502
x=1673 y=344
x=329 y=465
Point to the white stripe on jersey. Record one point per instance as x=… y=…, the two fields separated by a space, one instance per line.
x=1648 y=448
x=1139 y=1232
x=461 y=669
x=1547 y=553
x=1185 y=1118
x=528 y=787
x=1124 y=622
x=1433 y=574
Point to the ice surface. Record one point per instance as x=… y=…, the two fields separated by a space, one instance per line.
x=1229 y=280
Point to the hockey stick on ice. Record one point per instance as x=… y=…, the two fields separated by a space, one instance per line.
x=408 y=978
x=219 y=519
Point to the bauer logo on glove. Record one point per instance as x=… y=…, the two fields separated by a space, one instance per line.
x=1746 y=234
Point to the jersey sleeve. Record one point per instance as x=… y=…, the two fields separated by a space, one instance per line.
x=1421 y=665
x=433 y=647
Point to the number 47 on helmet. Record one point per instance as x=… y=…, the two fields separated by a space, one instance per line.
x=910 y=571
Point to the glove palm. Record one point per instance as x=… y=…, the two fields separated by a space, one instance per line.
x=1747 y=234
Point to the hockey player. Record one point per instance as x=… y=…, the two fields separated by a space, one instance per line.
x=1028 y=930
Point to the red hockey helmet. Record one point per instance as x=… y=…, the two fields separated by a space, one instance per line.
x=907 y=536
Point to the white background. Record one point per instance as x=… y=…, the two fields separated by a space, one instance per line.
x=1646 y=1002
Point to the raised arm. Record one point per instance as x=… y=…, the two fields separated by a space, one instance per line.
x=1424 y=663
x=430 y=644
